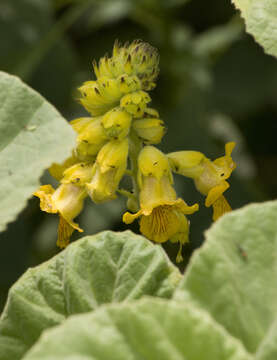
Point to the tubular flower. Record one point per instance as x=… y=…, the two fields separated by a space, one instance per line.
x=67 y=200
x=110 y=166
x=161 y=213
x=209 y=176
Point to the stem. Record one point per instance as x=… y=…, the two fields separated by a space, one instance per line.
x=126 y=193
x=134 y=150
x=129 y=172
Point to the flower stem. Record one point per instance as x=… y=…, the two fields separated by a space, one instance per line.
x=135 y=145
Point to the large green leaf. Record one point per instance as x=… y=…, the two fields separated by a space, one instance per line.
x=32 y=136
x=108 y=267
x=233 y=277
x=261 y=21
x=150 y=329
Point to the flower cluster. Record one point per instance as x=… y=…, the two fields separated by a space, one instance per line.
x=117 y=140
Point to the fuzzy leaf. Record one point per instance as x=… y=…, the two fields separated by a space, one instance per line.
x=150 y=329
x=261 y=21
x=233 y=277
x=108 y=267
x=32 y=136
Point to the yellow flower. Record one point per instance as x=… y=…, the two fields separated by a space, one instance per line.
x=110 y=166
x=161 y=213
x=67 y=200
x=209 y=176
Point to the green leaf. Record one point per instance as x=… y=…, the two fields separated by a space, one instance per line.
x=150 y=329
x=33 y=135
x=260 y=18
x=233 y=277
x=108 y=267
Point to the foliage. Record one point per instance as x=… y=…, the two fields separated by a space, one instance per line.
x=115 y=294
x=260 y=18
x=96 y=270
x=33 y=135
x=217 y=310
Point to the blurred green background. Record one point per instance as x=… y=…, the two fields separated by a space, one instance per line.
x=215 y=85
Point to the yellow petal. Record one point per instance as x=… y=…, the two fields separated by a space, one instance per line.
x=65 y=231
x=128 y=218
x=57 y=170
x=182 y=236
x=229 y=147
x=216 y=192
x=161 y=224
x=185 y=208
x=220 y=207
x=44 y=193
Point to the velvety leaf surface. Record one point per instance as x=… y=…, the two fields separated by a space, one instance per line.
x=260 y=18
x=150 y=329
x=233 y=277
x=33 y=135
x=108 y=267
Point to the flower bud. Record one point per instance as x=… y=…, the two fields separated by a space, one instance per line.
x=80 y=124
x=187 y=163
x=152 y=162
x=151 y=113
x=138 y=59
x=135 y=103
x=110 y=166
x=90 y=139
x=100 y=96
x=151 y=131
x=128 y=84
x=57 y=170
x=116 y=123
x=78 y=174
